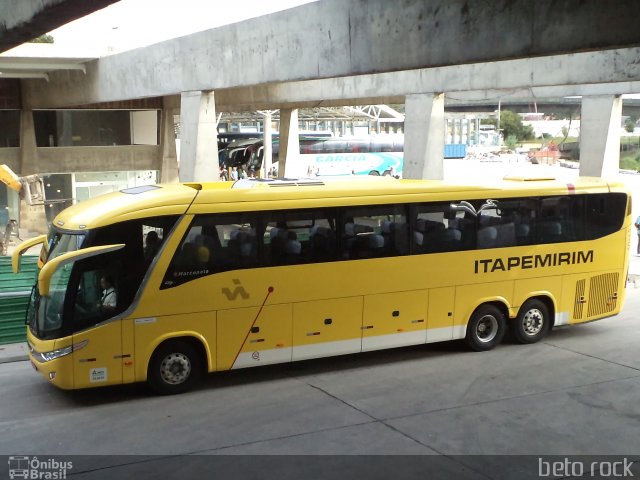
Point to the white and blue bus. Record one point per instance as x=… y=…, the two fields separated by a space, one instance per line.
x=374 y=155
x=326 y=156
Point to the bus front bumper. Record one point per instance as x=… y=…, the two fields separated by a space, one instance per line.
x=58 y=371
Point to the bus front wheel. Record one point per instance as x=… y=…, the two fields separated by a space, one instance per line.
x=175 y=367
x=486 y=328
x=375 y=173
x=532 y=322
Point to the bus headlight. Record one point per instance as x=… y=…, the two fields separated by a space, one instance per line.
x=52 y=355
x=58 y=353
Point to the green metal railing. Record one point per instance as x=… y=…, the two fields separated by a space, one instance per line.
x=14 y=297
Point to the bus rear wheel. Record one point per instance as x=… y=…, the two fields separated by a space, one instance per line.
x=175 y=367
x=486 y=328
x=532 y=323
x=375 y=173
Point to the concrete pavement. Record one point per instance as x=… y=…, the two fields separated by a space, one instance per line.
x=13 y=352
x=464 y=414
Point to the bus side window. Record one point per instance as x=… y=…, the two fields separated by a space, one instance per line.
x=378 y=231
x=303 y=236
x=436 y=229
x=604 y=214
x=99 y=289
x=153 y=237
x=214 y=243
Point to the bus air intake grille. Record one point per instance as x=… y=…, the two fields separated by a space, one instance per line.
x=297 y=184
x=602 y=294
x=579 y=302
x=280 y=182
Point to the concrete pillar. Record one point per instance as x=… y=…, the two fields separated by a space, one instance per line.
x=65 y=126
x=267 y=153
x=289 y=153
x=32 y=218
x=424 y=136
x=198 y=138
x=169 y=158
x=600 y=119
x=29 y=163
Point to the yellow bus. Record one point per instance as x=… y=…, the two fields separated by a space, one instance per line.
x=164 y=283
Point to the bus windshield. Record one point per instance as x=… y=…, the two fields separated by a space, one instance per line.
x=44 y=315
x=94 y=288
x=61 y=243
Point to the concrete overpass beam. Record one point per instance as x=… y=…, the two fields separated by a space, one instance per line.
x=198 y=138
x=22 y=20
x=600 y=120
x=424 y=136
x=289 y=154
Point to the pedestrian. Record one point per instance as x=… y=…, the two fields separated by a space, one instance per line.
x=234 y=174
x=637 y=225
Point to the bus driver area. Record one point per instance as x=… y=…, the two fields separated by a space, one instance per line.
x=274 y=271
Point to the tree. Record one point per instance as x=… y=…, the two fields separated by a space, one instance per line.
x=630 y=124
x=511 y=125
x=46 y=38
x=511 y=142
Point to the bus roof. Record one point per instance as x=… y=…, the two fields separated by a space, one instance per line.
x=251 y=195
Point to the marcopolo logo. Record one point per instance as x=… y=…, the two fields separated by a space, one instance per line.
x=35 y=468
x=238 y=291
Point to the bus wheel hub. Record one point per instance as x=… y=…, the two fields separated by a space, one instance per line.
x=175 y=368
x=533 y=322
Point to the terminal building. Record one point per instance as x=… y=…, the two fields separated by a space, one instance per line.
x=92 y=125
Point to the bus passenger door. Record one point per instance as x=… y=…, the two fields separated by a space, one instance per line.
x=248 y=337
x=394 y=319
x=99 y=360
x=322 y=328
x=440 y=316
x=97 y=340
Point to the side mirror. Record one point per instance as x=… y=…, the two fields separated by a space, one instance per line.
x=44 y=278
x=23 y=247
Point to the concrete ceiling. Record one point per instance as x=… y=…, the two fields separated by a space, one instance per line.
x=38 y=60
x=37 y=67
x=24 y=20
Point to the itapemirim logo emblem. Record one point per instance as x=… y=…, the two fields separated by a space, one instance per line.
x=238 y=291
x=35 y=468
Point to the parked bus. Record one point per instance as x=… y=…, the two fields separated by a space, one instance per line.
x=163 y=283
x=248 y=152
x=325 y=156
x=225 y=138
x=374 y=155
